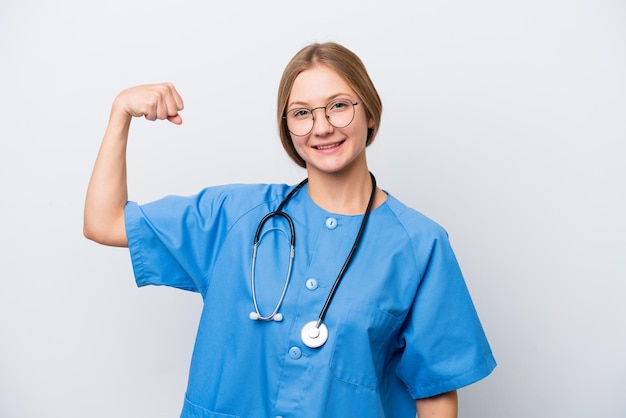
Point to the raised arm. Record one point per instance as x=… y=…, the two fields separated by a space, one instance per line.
x=107 y=192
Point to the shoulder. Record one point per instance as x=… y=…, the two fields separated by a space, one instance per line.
x=415 y=224
x=231 y=195
x=243 y=194
x=428 y=244
x=412 y=231
x=233 y=200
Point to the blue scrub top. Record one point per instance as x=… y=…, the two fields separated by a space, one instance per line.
x=401 y=326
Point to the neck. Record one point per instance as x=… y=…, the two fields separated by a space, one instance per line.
x=344 y=193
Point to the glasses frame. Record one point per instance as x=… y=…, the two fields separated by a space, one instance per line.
x=358 y=102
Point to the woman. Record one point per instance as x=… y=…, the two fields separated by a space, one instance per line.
x=366 y=314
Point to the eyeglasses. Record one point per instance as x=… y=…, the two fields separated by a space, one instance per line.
x=339 y=113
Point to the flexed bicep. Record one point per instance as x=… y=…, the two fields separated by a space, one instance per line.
x=107 y=192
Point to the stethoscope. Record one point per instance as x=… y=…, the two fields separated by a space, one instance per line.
x=314 y=334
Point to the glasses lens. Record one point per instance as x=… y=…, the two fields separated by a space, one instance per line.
x=299 y=121
x=340 y=113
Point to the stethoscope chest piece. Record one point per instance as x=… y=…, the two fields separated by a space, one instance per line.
x=314 y=336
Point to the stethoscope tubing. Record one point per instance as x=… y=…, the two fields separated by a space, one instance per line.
x=257 y=238
x=314 y=333
x=274 y=313
x=357 y=240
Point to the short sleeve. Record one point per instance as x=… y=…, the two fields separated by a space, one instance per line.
x=445 y=347
x=175 y=240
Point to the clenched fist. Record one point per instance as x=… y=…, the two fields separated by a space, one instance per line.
x=153 y=101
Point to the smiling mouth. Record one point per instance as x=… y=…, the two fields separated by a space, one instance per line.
x=329 y=146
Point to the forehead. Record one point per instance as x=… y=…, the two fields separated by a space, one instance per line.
x=317 y=85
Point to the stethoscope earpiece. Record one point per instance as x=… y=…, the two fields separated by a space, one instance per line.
x=275 y=317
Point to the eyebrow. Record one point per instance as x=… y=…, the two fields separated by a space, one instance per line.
x=304 y=104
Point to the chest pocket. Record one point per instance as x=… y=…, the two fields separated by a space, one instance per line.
x=365 y=343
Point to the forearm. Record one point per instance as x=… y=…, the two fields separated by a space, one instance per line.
x=107 y=192
x=440 y=406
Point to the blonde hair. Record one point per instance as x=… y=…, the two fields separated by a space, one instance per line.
x=348 y=65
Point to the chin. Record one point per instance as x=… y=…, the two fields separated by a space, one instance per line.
x=329 y=168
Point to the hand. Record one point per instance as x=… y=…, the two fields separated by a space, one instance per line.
x=152 y=101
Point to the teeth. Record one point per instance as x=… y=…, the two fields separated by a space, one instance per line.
x=328 y=146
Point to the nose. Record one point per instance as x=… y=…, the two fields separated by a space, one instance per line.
x=321 y=125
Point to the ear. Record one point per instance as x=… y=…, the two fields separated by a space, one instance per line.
x=370 y=123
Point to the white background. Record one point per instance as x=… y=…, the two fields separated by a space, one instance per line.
x=505 y=121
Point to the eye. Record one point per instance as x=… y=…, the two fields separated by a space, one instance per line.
x=300 y=113
x=339 y=105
